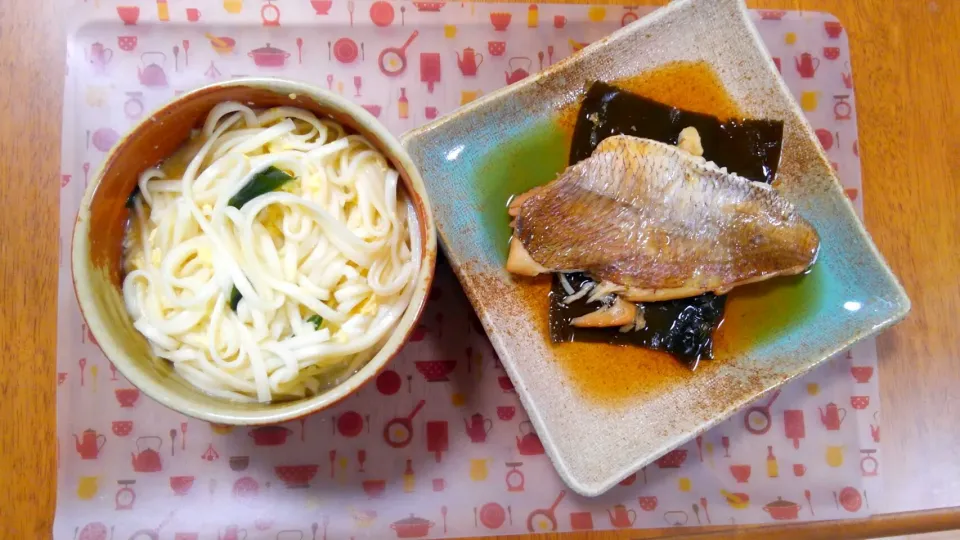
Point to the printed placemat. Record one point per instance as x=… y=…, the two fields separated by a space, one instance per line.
x=132 y=469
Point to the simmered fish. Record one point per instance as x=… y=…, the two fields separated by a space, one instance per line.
x=661 y=223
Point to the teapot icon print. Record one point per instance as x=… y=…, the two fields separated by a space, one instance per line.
x=832 y=417
x=620 y=517
x=90 y=444
x=468 y=64
x=147 y=459
x=99 y=56
x=807 y=65
x=478 y=427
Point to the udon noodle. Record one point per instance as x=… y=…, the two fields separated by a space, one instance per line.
x=283 y=294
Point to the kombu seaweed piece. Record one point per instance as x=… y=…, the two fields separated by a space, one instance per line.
x=750 y=148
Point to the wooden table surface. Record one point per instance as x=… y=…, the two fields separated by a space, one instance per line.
x=905 y=64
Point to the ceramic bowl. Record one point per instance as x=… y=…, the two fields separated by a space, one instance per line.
x=103 y=215
x=470 y=158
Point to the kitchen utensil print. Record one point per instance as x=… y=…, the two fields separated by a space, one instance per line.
x=99 y=57
x=430 y=69
x=469 y=62
x=147 y=457
x=269 y=57
x=621 y=517
x=519 y=69
x=389 y=382
x=300 y=50
x=181 y=484
x=222 y=45
x=350 y=424
x=382 y=13
x=399 y=431
x=500 y=20
x=321 y=7
x=270 y=14
x=150 y=72
x=832 y=417
x=581 y=521
x=269 y=435
x=545 y=519
x=529 y=443
x=89 y=444
x=782 y=510
x=793 y=426
x=345 y=50
x=437 y=438
x=128 y=14
x=514 y=478
x=757 y=418
x=478 y=427
x=210 y=454
x=806 y=65
x=850 y=499
x=393 y=60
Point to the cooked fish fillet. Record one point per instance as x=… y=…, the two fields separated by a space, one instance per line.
x=663 y=223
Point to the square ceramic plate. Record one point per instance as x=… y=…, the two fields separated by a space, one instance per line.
x=600 y=412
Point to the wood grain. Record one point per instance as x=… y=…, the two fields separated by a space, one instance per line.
x=905 y=65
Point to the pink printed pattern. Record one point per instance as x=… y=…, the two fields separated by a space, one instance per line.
x=439 y=445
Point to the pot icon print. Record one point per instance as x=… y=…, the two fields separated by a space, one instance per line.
x=151 y=72
x=147 y=458
x=529 y=444
x=782 y=510
x=519 y=69
x=89 y=444
x=832 y=417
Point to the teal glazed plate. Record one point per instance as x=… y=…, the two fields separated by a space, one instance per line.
x=603 y=412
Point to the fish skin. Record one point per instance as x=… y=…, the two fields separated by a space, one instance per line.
x=665 y=223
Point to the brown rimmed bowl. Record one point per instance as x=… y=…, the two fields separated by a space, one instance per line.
x=99 y=230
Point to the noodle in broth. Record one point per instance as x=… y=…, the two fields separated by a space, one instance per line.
x=284 y=294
